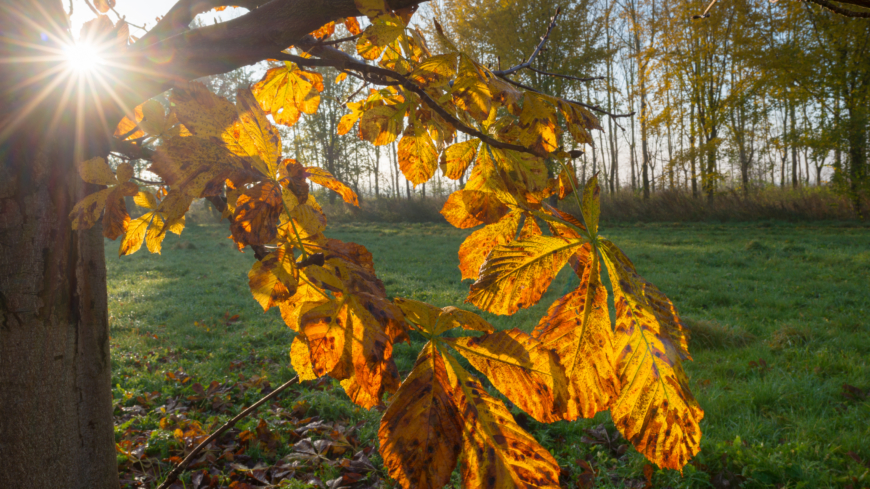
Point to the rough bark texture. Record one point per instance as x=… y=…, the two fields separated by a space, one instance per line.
x=56 y=425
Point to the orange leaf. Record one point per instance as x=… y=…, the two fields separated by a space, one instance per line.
x=272 y=280
x=468 y=208
x=417 y=156
x=255 y=221
x=352 y=25
x=421 y=433
x=655 y=410
x=517 y=274
x=520 y=367
x=456 y=159
x=577 y=328
x=324 y=31
x=478 y=244
x=324 y=178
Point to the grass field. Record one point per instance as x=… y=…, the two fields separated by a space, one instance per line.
x=779 y=338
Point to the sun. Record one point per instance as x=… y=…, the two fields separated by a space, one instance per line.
x=82 y=57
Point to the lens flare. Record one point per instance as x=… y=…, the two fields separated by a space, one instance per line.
x=82 y=57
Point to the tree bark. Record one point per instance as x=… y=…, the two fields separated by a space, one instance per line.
x=56 y=427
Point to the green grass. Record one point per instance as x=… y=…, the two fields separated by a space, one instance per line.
x=777 y=313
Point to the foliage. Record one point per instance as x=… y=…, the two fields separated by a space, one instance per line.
x=574 y=365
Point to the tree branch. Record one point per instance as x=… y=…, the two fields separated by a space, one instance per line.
x=537 y=50
x=845 y=11
x=179 y=17
x=567 y=76
x=590 y=107
x=229 y=424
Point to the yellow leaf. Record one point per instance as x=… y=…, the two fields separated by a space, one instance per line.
x=417 y=156
x=203 y=113
x=146 y=200
x=254 y=136
x=468 y=208
x=300 y=358
x=157 y=231
x=124 y=172
x=116 y=219
x=420 y=313
x=478 y=244
x=272 y=280
x=521 y=368
x=516 y=275
x=497 y=453
x=341 y=77
x=195 y=166
x=309 y=221
x=348 y=120
x=307 y=297
x=436 y=71
x=655 y=410
x=592 y=204
x=577 y=328
x=421 y=432
x=153 y=118
x=472 y=95
x=97 y=171
x=454 y=317
x=324 y=178
x=381 y=32
x=286 y=92
x=381 y=125
x=538 y=124
x=86 y=213
x=457 y=157
x=135 y=234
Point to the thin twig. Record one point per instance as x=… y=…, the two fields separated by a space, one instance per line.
x=229 y=424
x=590 y=107
x=124 y=18
x=567 y=76
x=339 y=41
x=95 y=11
x=540 y=46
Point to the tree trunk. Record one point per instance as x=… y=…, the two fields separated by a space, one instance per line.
x=56 y=427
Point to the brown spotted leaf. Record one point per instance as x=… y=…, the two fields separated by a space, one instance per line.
x=577 y=328
x=469 y=208
x=255 y=221
x=198 y=167
x=520 y=367
x=324 y=178
x=288 y=91
x=203 y=113
x=496 y=452
x=457 y=157
x=418 y=158
x=273 y=280
x=478 y=244
x=655 y=410
x=421 y=432
x=516 y=275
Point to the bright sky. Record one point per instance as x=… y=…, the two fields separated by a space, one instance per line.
x=141 y=13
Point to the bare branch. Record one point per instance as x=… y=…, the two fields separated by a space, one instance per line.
x=590 y=107
x=339 y=41
x=845 y=11
x=567 y=76
x=537 y=50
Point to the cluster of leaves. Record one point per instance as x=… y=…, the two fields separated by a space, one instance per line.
x=573 y=365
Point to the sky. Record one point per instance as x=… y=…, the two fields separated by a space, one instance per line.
x=141 y=13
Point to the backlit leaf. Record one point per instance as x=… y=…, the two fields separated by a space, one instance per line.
x=520 y=367
x=203 y=113
x=592 y=204
x=436 y=71
x=516 y=275
x=272 y=280
x=97 y=171
x=86 y=213
x=381 y=32
x=372 y=8
x=655 y=410
x=287 y=91
x=478 y=244
x=381 y=125
x=468 y=208
x=457 y=157
x=255 y=221
x=421 y=432
x=252 y=135
x=196 y=166
x=116 y=219
x=538 y=124
x=577 y=328
x=418 y=158
x=135 y=234
x=324 y=178
x=352 y=25
x=496 y=452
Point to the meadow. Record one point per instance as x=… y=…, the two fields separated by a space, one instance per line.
x=779 y=335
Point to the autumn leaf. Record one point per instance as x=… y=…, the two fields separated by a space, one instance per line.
x=421 y=432
x=381 y=125
x=435 y=321
x=497 y=453
x=287 y=91
x=104 y=5
x=352 y=25
x=418 y=158
x=436 y=71
x=649 y=343
x=478 y=244
x=382 y=31
x=567 y=181
x=469 y=208
x=252 y=135
x=324 y=31
x=115 y=218
x=522 y=368
x=324 y=178
x=591 y=204
x=577 y=328
x=196 y=166
x=255 y=221
x=203 y=113
x=456 y=159
x=372 y=8
x=345 y=124
x=516 y=275
x=538 y=124
x=272 y=280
